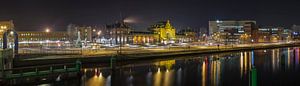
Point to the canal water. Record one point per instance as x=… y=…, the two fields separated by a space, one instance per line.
x=270 y=67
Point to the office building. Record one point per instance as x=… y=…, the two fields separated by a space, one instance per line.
x=232 y=31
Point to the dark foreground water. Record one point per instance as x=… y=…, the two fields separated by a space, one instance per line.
x=271 y=67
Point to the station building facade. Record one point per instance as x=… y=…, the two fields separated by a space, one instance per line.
x=160 y=33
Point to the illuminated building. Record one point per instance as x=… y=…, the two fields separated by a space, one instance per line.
x=118 y=33
x=295 y=32
x=37 y=39
x=4 y=26
x=164 y=32
x=85 y=32
x=189 y=35
x=270 y=34
x=142 y=37
x=230 y=31
x=250 y=30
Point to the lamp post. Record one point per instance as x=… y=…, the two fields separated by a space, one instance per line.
x=93 y=35
x=47 y=31
x=99 y=33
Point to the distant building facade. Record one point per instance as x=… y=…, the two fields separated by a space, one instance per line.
x=270 y=34
x=85 y=33
x=118 y=33
x=233 y=31
x=191 y=35
x=160 y=33
x=295 y=32
x=5 y=26
x=38 y=38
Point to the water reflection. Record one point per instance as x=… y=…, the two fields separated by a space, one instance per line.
x=97 y=79
x=215 y=72
x=275 y=59
x=296 y=55
x=243 y=68
x=157 y=78
x=204 y=69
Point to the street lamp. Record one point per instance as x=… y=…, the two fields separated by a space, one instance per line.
x=11 y=32
x=99 y=33
x=47 y=30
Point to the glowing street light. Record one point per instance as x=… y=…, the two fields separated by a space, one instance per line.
x=3 y=27
x=99 y=33
x=47 y=30
x=11 y=32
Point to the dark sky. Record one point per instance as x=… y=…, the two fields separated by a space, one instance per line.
x=38 y=14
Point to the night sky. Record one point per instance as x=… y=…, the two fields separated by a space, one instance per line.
x=38 y=14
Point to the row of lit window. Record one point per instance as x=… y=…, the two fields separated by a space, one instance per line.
x=30 y=34
x=43 y=39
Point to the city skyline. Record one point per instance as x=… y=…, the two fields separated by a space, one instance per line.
x=36 y=15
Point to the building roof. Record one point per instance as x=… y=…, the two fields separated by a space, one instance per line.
x=141 y=32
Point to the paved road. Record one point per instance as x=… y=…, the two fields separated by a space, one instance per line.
x=133 y=51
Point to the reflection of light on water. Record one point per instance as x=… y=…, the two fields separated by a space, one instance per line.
x=130 y=79
x=241 y=64
x=215 y=72
x=218 y=72
x=149 y=78
x=96 y=70
x=108 y=81
x=96 y=80
x=100 y=75
x=245 y=62
x=168 y=79
x=289 y=57
x=278 y=58
x=157 y=78
x=158 y=70
x=44 y=85
x=203 y=74
x=297 y=57
x=168 y=63
x=179 y=76
x=85 y=70
x=251 y=59
x=273 y=60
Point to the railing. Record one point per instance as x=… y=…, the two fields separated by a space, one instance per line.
x=51 y=51
x=39 y=70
